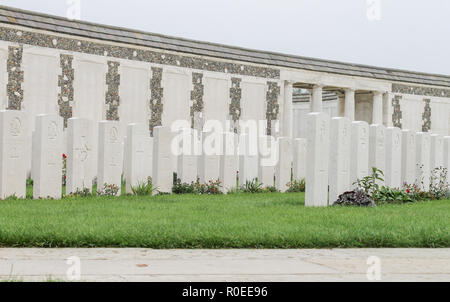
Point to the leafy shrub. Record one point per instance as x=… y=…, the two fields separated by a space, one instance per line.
x=389 y=195
x=252 y=187
x=439 y=188
x=109 y=190
x=81 y=193
x=370 y=184
x=210 y=188
x=270 y=189
x=144 y=188
x=297 y=186
x=355 y=198
x=183 y=188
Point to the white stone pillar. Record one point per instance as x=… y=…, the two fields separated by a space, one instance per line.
x=288 y=116
x=283 y=169
x=268 y=159
x=437 y=152
x=350 y=104
x=248 y=161
x=110 y=155
x=80 y=157
x=423 y=152
x=187 y=161
x=359 y=165
x=137 y=156
x=318 y=148
x=408 y=157
x=340 y=147
x=317 y=98
x=47 y=158
x=447 y=156
x=209 y=161
x=387 y=110
x=341 y=105
x=377 y=113
x=393 y=173
x=299 y=158
x=229 y=162
x=377 y=148
x=163 y=159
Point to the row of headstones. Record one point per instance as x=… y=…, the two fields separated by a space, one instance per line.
x=137 y=156
x=339 y=152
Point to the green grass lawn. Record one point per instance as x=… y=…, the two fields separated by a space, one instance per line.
x=232 y=221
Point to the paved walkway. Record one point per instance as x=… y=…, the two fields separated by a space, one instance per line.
x=224 y=265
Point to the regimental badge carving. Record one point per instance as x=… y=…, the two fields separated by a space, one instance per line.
x=113 y=135
x=15 y=127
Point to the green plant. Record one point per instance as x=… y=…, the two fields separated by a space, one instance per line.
x=83 y=193
x=370 y=184
x=270 y=189
x=297 y=186
x=253 y=187
x=108 y=190
x=144 y=188
x=439 y=188
x=355 y=198
x=394 y=196
x=64 y=169
x=183 y=188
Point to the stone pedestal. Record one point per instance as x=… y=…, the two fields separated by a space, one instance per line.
x=47 y=157
x=110 y=155
x=318 y=148
x=340 y=147
x=80 y=157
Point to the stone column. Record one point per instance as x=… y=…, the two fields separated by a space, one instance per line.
x=317 y=98
x=387 y=110
x=110 y=155
x=377 y=112
x=47 y=158
x=350 y=104
x=340 y=148
x=318 y=148
x=288 y=111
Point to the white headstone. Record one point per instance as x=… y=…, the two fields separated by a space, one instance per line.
x=318 y=148
x=162 y=159
x=209 y=161
x=110 y=155
x=359 y=165
x=47 y=157
x=268 y=159
x=437 y=151
x=447 y=156
x=408 y=157
x=393 y=173
x=187 y=161
x=283 y=170
x=423 y=150
x=340 y=147
x=248 y=159
x=80 y=157
x=13 y=174
x=229 y=162
x=377 y=148
x=137 y=149
x=299 y=158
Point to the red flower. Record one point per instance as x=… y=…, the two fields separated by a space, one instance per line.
x=64 y=156
x=408 y=191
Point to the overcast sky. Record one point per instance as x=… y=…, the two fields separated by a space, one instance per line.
x=405 y=34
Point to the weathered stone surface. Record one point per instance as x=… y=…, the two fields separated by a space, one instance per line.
x=209 y=161
x=13 y=172
x=437 y=151
x=248 y=160
x=359 y=165
x=283 y=169
x=269 y=157
x=393 y=173
x=423 y=150
x=47 y=157
x=110 y=155
x=377 y=148
x=318 y=148
x=80 y=168
x=188 y=159
x=340 y=147
x=408 y=157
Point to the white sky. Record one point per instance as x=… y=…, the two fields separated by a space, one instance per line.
x=411 y=34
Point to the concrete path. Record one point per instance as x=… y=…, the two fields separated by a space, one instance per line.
x=224 y=265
